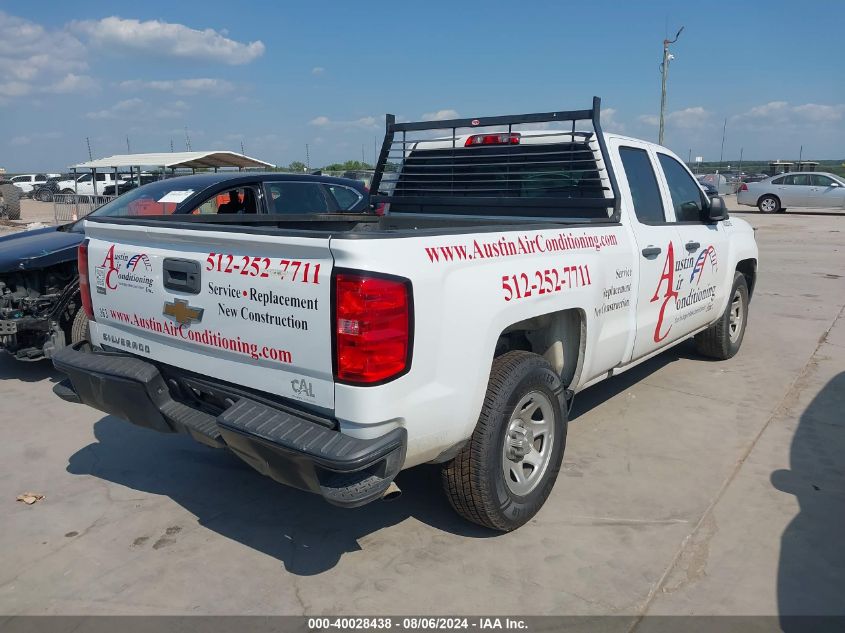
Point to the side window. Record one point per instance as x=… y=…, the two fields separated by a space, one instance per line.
x=801 y=179
x=648 y=204
x=687 y=197
x=296 y=197
x=40 y=178
x=818 y=180
x=788 y=180
x=238 y=200
x=345 y=197
x=779 y=181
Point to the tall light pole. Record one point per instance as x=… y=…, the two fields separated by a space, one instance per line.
x=664 y=71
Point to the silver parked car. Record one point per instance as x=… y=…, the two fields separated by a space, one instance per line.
x=802 y=189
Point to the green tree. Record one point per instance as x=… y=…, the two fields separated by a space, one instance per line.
x=298 y=166
x=350 y=165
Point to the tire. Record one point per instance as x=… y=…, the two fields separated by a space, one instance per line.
x=11 y=201
x=79 y=330
x=67 y=191
x=768 y=204
x=475 y=481
x=43 y=195
x=723 y=339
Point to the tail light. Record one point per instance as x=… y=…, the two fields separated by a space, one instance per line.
x=372 y=328
x=493 y=139
x=84 y=284
x=743 y=187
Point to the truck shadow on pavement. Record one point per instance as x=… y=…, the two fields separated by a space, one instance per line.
x=606 y=389
x=811 y=570
x=305 y=533
x=28 y=371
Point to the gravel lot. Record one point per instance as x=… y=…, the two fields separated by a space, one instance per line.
x=689 y=487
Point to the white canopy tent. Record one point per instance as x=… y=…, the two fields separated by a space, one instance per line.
x=172 y=161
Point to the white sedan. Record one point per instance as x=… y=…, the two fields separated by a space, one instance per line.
x=802 y=189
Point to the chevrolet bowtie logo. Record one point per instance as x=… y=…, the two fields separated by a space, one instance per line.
x=182 y=312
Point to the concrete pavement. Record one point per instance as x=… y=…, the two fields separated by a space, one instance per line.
x=688 y=486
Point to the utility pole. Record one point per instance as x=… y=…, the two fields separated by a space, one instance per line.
x=171 y=144
x=242 y=148
x=128 y=147
x=800 y=156
x=363 y=160
x=307 y=159
x=88 y=142
x=187 y=139
x=689 y=158
x=722 y=151
x=740 y=161
x=664 y=69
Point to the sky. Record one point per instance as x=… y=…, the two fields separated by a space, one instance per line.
x=277 y=76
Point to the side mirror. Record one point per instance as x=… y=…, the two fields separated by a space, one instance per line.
x=717 y=210
x=835 y=184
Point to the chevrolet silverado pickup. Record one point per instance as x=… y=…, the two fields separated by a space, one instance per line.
x=521 y=260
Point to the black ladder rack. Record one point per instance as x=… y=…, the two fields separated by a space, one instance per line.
x=421 y=174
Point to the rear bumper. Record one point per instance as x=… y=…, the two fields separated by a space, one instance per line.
x=293 y=449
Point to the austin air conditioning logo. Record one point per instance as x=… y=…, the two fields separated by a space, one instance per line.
x=120 y=269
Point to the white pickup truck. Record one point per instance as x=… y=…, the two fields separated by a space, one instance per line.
x=520 y=261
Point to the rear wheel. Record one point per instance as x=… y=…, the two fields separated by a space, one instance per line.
x=79 y=331
x=768 y=204
x=723 y=339
x=66 y=191
x=11 y=201
x=505 y=473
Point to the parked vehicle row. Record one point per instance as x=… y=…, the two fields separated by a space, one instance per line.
x=512 y=270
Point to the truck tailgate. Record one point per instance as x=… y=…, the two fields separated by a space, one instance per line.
x=248 y=308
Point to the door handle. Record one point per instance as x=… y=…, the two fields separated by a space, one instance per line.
x=693 y=246
x=651 y=251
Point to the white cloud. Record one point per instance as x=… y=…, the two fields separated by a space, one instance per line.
x=73 y=83
x=36 y=136
x=364 y=123
x=318 y=70
x=168 y=39
x=781 y=113
x=688 y=118
x=610 y=123
x=138 y=108
x=36 y=60
x=440 y=115
x=121 y=108
x=180 y=86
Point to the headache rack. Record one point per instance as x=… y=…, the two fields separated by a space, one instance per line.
x=499 y=167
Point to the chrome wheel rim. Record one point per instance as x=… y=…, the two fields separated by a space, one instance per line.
x=768 y=205
x=736 y=316
x=528 y=444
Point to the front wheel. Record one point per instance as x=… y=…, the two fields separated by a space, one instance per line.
x=768 y=204
x=505 y=473
x=44 y=195
x=723 y=339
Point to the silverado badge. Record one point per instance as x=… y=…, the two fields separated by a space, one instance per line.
x=182 y=312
